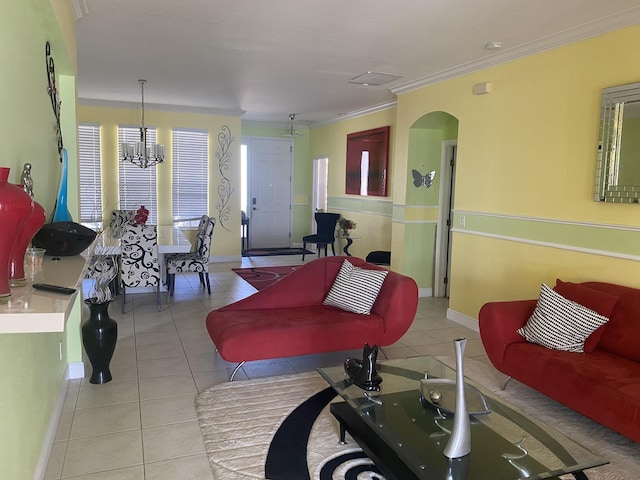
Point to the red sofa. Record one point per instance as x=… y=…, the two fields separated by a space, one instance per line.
x=288 y=318
x=603 y=383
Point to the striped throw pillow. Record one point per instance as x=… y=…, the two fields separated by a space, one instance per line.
x=560 y=324
x=355 y=289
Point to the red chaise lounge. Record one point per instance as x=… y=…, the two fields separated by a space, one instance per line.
x=289 y=319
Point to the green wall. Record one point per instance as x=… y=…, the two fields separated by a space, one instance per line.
x=31 y=374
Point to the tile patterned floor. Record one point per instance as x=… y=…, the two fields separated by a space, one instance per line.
x=142 y=425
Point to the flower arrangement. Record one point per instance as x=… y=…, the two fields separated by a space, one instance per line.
x=345 y=225
x=104 y=270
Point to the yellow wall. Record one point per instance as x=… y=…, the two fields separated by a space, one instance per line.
x=31 y=374
x=528 y=150
x=226 y=242
x=371 y=214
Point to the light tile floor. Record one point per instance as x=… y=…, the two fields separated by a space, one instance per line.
x=142 y=425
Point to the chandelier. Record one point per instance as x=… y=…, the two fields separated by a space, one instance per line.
x=139 y=153
x=291 y=132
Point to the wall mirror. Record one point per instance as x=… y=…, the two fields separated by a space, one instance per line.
x=618 y=163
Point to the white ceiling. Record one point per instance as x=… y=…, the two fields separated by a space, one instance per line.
x=269 y=58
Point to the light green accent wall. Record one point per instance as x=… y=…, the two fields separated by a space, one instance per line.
x=302 y=176
x=360 y=204
x=605 y=238
x=630 y=152
x=419 y=248
x=30 y=379
x=31 y=373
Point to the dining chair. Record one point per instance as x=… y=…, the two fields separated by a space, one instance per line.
x=326 y=233
x=119 y=218
x=139 y=265
x=196 y=262
x=199 y=233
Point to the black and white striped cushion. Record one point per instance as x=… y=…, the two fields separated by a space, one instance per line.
x=355 y=289
x=559 y=323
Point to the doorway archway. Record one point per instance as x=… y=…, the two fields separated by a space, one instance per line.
x=432 y=147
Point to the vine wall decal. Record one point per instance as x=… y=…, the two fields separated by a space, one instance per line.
x=225 y=190
x=52 y=90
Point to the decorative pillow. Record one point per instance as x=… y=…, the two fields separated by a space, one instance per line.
x=559 y=323
x=598 y=301
x=355 y=289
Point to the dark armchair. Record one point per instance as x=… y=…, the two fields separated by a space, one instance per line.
x=326 y=233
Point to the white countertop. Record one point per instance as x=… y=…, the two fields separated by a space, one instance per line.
x=30 y=310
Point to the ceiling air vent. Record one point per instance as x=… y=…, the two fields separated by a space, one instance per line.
x=374 y=78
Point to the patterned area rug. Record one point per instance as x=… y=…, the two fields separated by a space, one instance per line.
x=261 y=277
x=242 y=424
x=269 y=252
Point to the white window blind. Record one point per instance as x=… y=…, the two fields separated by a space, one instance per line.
x=190 y=173
x=89 y=170
x=137 y=186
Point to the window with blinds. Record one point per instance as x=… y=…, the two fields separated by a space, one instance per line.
x=190 y=173
x=137 y=186
x=89 y=170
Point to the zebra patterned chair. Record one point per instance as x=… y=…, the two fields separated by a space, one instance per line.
x=139 y=263
x=118 y=219
x=196 y=262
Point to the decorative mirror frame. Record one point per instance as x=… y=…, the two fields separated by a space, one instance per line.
x=373 y=181
x=607 y=187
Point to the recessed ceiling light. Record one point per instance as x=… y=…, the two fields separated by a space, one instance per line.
x=374 y=78
x=493 y=46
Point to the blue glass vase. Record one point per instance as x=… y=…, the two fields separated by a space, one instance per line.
x=61 y=212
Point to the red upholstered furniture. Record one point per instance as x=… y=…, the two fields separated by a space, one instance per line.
x=603 y=383
x=288 y=318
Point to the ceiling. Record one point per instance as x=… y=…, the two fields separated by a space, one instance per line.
x=267 y=59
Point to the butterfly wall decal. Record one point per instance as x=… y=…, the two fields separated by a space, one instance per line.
x=420 y=180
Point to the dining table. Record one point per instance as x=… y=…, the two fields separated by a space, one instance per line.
x=171 y=239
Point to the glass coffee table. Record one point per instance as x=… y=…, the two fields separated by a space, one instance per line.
x=405 y=435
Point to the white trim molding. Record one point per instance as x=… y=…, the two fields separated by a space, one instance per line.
x=462 y=319
x=575 y=34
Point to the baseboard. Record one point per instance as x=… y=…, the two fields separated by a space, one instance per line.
x=225 y=259
x=425 y=292
x=463 y=320
x=75 y=370
x=47 y=444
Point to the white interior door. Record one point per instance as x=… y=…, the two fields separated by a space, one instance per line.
x=270 y=192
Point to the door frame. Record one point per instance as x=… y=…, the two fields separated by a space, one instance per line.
x=315 y=193
x=443 y=235
x=247 y=141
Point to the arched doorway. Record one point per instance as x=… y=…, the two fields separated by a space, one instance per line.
x=432 y=147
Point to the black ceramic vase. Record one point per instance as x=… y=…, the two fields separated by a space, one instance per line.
x=99 y=336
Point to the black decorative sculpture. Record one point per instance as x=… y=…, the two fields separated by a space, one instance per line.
x=363 y=372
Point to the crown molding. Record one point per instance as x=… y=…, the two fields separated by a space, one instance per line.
x=358 y=113
x=272 y=124
x=581 y=32
x=230 y=112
